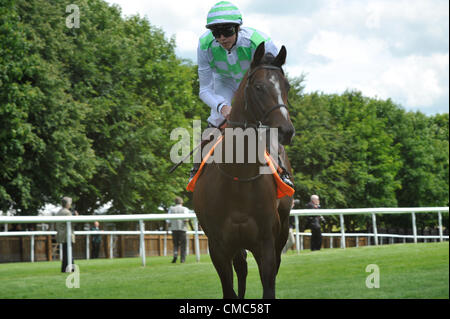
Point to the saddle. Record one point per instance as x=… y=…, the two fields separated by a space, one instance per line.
x=282 y=188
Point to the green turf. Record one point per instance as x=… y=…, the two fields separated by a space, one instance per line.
x=406 y=271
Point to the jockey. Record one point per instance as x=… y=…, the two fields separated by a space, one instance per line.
x=224 y=55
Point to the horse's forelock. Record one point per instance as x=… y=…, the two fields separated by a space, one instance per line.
x=268 y=58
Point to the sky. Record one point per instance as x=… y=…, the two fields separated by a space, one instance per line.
x=396 y=49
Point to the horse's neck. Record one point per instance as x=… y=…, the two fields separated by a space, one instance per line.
x=238 y=113
x=240 y=116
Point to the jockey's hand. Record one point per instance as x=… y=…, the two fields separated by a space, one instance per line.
x=226 y=111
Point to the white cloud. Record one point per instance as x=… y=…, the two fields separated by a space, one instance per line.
x=185 y=40
x=345 y=48
x=367 y=65
x=415 y=80
x=388 y=49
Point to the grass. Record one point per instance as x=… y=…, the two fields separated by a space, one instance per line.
x=406 y=271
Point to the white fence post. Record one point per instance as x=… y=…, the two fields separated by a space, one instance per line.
x=142 y=241
x=440 y=227
x=187 y=244
x=165 y=244
x=341 y=217
x=413 y=215
x=297 y=238
x=375 y=231
x=87 y=247
x=111 y=248
x=197 y=241
x=69 y=243
x=32 y=249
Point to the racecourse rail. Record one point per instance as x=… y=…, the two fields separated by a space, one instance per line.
x=155 y=217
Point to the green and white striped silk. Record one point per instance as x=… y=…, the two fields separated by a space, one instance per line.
x=223 y=12
x=236 y=64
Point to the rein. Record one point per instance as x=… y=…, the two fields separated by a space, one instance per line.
x=237 y=179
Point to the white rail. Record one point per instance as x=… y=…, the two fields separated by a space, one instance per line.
x=153 y=217
x=32 y=235
x=367 y=211
x=108 y=218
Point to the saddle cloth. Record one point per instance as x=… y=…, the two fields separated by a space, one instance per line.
x=282 y=188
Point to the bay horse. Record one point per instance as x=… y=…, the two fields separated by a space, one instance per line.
x=243 y=213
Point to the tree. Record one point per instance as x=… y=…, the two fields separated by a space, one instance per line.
x=343 y=152
x=87 y=112
x=43 y=147
x=355 y=151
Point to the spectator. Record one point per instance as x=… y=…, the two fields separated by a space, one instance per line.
x=178 y=228
x=61 y=236
x=314 y=222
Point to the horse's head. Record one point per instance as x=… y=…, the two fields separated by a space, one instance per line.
x=266 y=91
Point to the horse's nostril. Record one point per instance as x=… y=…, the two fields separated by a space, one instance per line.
x=285 y=135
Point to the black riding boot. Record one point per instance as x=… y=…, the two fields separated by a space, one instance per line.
x=284 y=174
x=282 y=171
x=286 y=177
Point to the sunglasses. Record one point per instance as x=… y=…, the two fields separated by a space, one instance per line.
x=227 y=31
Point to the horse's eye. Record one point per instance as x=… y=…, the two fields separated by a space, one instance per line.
x=259 y=87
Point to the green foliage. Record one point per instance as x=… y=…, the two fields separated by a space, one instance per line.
x=357 y=152
x=424 y=173
x=87 y=112
x=343 y=152
x=43 y=146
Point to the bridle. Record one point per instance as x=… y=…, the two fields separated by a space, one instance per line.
x=260 y=122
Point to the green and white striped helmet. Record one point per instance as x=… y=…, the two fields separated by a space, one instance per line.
x=223 y=12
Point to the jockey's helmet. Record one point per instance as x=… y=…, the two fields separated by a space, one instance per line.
x=223 y=12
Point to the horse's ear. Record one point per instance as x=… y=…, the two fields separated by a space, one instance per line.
x=281 y=57
x=259 y=53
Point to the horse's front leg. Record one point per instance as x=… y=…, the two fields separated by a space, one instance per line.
x=267 y=263
x=224 y=268
x=241 y=268
x=284 y=229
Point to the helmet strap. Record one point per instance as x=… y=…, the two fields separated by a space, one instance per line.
x=237 y=34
